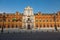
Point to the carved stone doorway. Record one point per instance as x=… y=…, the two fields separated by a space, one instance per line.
x=28 y=27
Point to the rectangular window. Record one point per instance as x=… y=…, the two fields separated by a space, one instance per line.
x=36 y=20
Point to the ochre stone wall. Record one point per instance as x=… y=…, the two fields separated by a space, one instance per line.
x=47 y=20
x=10 y=22
x=41 y=20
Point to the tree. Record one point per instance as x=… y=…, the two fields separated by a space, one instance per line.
x=14 y=19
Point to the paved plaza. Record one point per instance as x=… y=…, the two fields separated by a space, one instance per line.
x=30 y=36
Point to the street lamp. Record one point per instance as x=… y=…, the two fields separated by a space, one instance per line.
x=3 y=22
x=55 y=22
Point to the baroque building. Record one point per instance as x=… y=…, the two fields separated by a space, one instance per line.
x=29 y=20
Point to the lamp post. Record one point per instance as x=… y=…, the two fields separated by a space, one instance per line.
x=3 y=22
x=55 y=22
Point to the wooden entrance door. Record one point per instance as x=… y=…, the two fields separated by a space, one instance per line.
x=29 y=27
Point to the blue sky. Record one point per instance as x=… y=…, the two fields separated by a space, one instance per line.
x=44 y=6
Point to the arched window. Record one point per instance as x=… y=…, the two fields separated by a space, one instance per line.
x=16 y=26
x=47 y=25
x=50 y=20
x=4 y=26
x=51 y=25
x=36 y=20
x=8 y=26
x=40 y=20
x=58 y=25
x=44 y=25
x=43 y=20
x=0 y=20
x=57 y=20
x=20 y=26
x=40 y=25
x=8 y=20
x=0 y=26
x=47 y=20
x=20 y=20
x=12 y=26
x=36 y=25
x=55 y=25
x=4 y=19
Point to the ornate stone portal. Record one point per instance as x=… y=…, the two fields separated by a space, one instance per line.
x=28 y=18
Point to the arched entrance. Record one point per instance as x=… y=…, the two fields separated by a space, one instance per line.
x=28 y=27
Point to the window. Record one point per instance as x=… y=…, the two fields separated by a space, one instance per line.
x=58 y=26
x=54 y=25
x=43 y=20
x=51 y=25
x=21 y=26
x=0 y=20
x=40 y=20
x=17 y=20
x=4 y=19
x=40 y=25
x=3 y=26
x=36 y=20
x=28 y=19
x=8 y=20
x=0 y=26
x=16 y=26
x=8 y=26
x=36 y=25
x=7 y=14
x=43 y=25
x=57 y=20
x=50 y=20
x=12 y=26
x=20 y=20
x=46 y=20
x=47 y=25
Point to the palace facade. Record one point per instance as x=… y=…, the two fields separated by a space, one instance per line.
x=29 y=20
